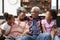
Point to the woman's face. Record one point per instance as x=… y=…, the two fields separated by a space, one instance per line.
x=48 y=15
x=21 y=15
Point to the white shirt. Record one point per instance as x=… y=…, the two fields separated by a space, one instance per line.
x=6 y=27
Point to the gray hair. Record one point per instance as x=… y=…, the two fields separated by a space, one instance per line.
x=20 y=9
x=35 y=8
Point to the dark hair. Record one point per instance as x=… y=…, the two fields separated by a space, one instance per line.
x=53 y=13
x=7 y=16
x=18 y=12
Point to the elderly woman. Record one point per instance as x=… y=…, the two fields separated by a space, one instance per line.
x=22 y=29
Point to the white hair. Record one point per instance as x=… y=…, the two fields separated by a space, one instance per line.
x=21 y=9
x=35 y=8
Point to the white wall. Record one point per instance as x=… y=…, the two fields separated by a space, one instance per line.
x=53 y=4
x=0 y=7
x=11 y=8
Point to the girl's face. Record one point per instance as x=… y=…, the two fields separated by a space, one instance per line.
x=48 y=16
x=12 y=20
x=21 y=16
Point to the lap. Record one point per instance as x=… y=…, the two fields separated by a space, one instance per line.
x=25 y=38
x=57 y=37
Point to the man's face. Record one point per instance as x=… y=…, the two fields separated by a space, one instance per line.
x=34 y=14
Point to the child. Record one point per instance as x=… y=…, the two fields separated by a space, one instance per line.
x=6 y=27
x=49 y=22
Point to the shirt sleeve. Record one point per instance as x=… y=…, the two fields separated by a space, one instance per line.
x=3 y=27
x=43 y=22
x=55 y=22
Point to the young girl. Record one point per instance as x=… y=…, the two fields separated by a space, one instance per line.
x=49 y=23
x=6 y=27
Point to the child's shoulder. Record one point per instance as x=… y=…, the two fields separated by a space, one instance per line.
x=4 y=24
x=54 y=20
x=43 y=20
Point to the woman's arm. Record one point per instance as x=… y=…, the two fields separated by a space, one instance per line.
x=53 y=32
x=44 y=28
x=26 y=30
